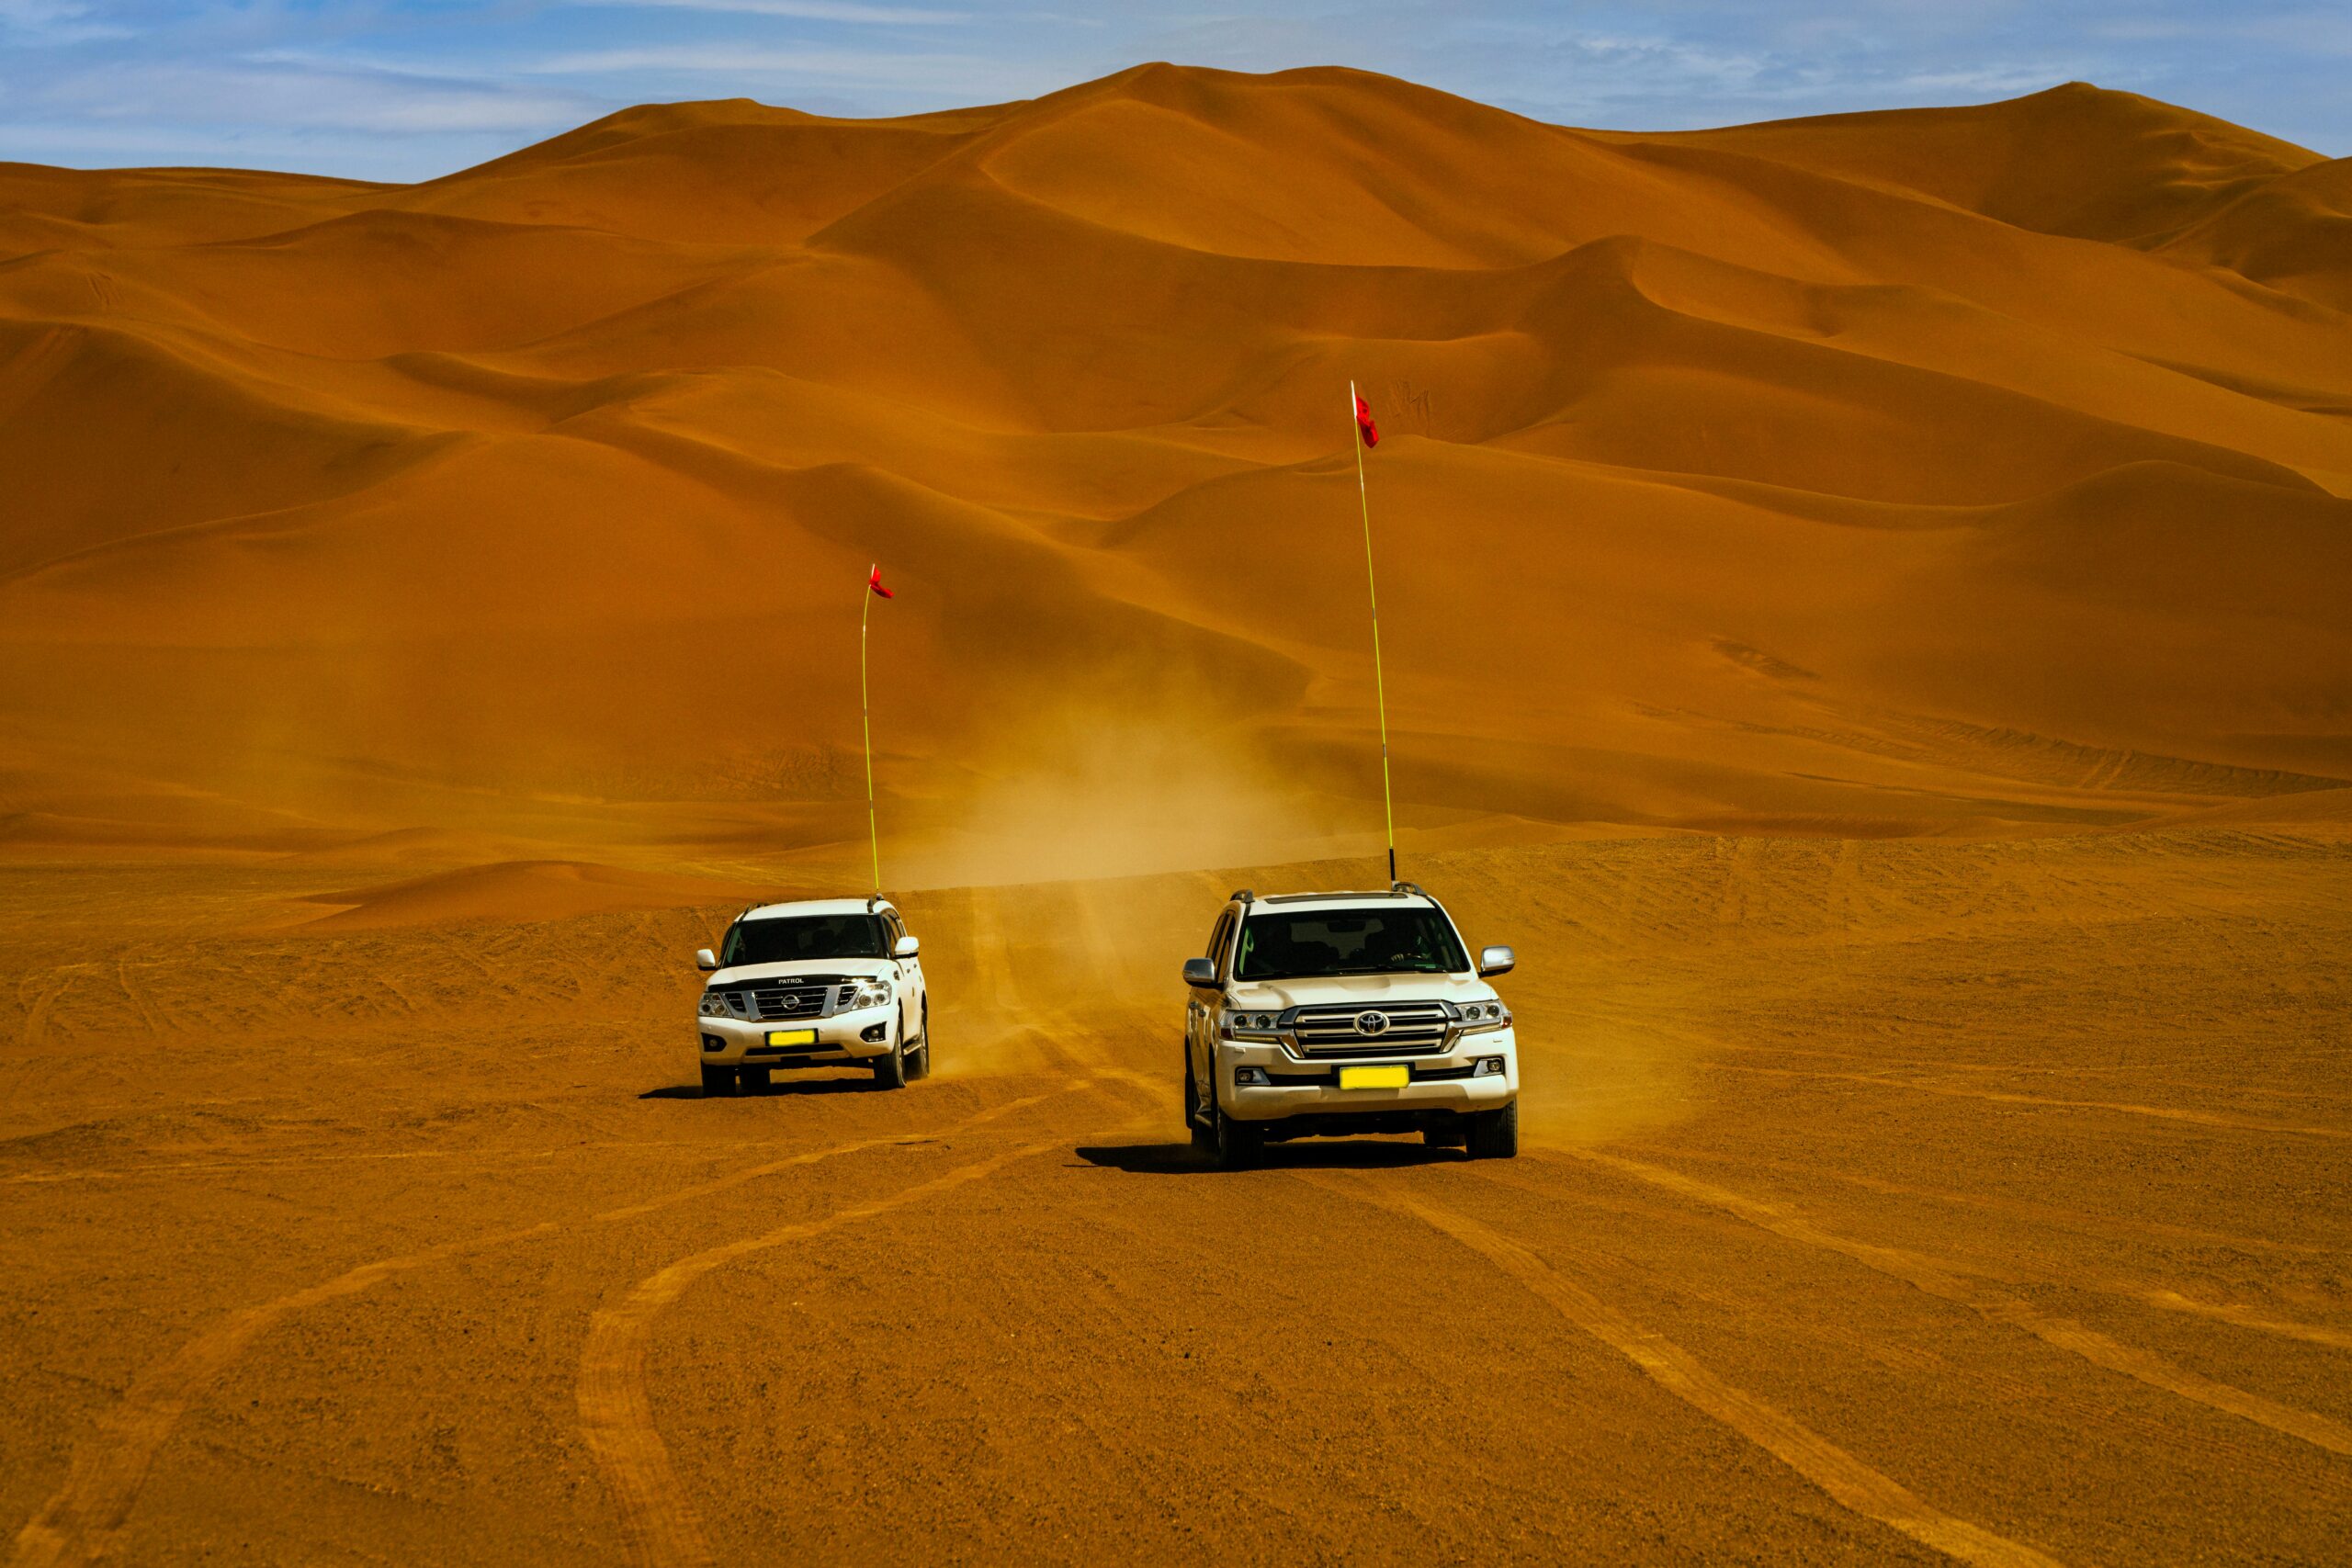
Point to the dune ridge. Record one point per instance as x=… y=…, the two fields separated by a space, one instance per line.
x=1952 y=470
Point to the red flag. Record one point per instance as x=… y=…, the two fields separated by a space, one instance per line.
x=1363 y=423
x=874 y=581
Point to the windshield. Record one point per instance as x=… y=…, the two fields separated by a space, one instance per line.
x=791 y=939
x=1348 y=941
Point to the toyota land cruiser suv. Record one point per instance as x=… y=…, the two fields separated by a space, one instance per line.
x=1347 y=1012
x=828 y=982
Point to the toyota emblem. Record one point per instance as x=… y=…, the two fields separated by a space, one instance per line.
x=1372 y=1023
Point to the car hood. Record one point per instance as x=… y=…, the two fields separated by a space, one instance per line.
x=848 y=968
x=1360 y=990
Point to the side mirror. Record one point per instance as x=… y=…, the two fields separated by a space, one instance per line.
x=906 y=947
x=706 y=960
x=1199 y=972
x=1495 y=961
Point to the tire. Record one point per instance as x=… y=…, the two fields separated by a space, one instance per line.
x=891 y=1069
x=717 y=1081
x=756 y=1079
x=1444 y=1132
x=1239 y=1144
x=1204 y=1136
x=1494 y=1134
x=918 y=1059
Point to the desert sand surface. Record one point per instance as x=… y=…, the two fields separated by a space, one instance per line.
x=1882 y=1201
x=1865 y=609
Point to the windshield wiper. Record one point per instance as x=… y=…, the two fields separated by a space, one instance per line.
x=1340 y=974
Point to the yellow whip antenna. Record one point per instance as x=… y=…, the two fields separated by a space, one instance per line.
x=1371 y=591
x=866 y=718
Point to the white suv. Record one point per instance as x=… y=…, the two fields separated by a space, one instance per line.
x=833 y=982
x=1347 y=1012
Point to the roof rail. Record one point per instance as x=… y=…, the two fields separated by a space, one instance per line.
x=1402 y=890
x=1243 y=897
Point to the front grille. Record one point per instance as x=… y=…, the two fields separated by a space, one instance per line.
x=1413 y=1029
x=796 y=996
x=803 y=1001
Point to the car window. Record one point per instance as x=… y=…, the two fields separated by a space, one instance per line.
x=788 y=939
x=1287 y=945
x=1217 y=940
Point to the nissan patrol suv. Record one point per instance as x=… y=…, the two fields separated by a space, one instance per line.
x=1347 y=1012
x=828 y=983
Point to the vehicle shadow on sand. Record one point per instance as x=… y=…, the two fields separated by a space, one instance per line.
x=863 y=1084
x=1183 y=1159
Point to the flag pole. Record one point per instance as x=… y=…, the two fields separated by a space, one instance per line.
x=866 y=718
x=1372 y=592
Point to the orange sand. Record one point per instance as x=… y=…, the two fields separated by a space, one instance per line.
x=426 y=611
x=1964 y=470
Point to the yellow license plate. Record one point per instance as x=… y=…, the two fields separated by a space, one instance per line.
x=1375 y=1078
x=792 y=1037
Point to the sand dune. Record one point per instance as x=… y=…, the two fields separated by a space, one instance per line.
x=531 y=502
x=2075 y=160
x=518 y=890
x=427 y=612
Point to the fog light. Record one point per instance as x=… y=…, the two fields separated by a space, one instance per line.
x=1244 y=1078
x=1489 y=1067
x=713 y=1042
x=872 y=1033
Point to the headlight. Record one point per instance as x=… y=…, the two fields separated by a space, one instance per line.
x=1484 y=1015
x=717 y=1004
x=870 y=994
x=1254 y=1022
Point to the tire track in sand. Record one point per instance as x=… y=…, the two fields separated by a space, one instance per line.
x=1103 y=959
x=46 y=991
x=476 y=1160
x=2163 y=1112
x=658 y=1523
x=992 y=960
x=2098 y=1226
x=1942 y=1279
x=81 y=1521
x=1074 y=1041
x=752 y=1173
x=1846 y=1479
x=1005 y=998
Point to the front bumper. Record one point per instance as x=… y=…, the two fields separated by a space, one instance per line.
x=840 y=1038
x=1445 y=1081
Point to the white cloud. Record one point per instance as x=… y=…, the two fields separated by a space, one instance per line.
x=248 y=94
x=39 y=13
x=803 y=10
x=54 y=22
x=2327 y=31
x=1998 y=80
x=880 y=69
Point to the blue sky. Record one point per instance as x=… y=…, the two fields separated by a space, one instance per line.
x=405 y=89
